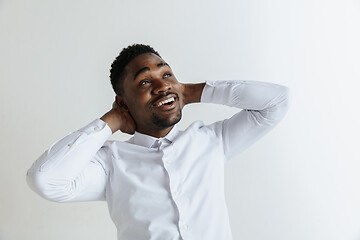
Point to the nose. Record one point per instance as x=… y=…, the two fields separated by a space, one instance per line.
x=161 y=86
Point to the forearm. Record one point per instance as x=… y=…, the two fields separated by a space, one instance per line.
x=112 y=120
x=269 y=99
x=264 y=106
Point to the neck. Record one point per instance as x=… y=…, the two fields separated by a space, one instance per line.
x=160 y=133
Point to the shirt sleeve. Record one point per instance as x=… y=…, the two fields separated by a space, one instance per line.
x=264 y=105
x=73 y=168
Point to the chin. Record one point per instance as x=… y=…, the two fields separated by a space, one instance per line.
x=163 y=123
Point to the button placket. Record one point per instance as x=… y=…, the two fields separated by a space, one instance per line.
x=183 y=226
x=165 y=159
x=176 y=193
x=174 y=187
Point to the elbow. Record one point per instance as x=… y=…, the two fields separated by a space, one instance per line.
x=282 y=104
x=46 y=187
x=283 y=101
x=39 y=184
x=287 y=96
x=278 y=108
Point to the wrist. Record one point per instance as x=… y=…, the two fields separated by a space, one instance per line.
x=112 y=120
x=192 y=92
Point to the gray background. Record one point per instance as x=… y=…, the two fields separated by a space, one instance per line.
x=300 y=182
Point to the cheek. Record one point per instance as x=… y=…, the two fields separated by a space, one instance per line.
x=179 y=88
x=138 y=106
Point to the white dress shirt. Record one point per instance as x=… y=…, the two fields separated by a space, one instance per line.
x=168 y=188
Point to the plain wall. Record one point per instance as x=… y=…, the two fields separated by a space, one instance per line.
x=300 y=182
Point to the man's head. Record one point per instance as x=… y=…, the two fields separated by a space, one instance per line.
x=146 y=86
x=117 y=70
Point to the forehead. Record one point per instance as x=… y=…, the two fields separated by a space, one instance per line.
x=143 y=60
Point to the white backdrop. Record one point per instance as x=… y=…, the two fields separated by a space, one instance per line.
x=300 y=182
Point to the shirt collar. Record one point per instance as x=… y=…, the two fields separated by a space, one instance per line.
x=148 y=141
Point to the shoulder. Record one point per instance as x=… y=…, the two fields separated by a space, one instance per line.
x=200 y=128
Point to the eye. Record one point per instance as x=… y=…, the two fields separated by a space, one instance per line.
x=166 y=75
x=143 y=82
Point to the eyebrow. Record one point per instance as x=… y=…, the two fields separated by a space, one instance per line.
x=145 y=69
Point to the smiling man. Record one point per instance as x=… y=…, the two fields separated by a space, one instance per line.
x=162 y=183
x=149 y=92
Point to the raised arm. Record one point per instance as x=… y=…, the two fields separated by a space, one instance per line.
x=264 y=104
x=75 y=167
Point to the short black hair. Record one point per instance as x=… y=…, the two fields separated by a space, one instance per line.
x=120 y=62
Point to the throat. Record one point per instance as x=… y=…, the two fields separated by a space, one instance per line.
x=159 y=133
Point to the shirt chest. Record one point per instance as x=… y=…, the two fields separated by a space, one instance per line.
x=178 y=172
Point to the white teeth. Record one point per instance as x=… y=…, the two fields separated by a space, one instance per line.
x=166 y=101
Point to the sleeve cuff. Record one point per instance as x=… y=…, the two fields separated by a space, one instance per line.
x=97 y=126
x=220 y=92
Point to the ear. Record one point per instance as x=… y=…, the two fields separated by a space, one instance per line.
x=121 y=102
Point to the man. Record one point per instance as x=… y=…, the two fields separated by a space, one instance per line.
x=162 y=183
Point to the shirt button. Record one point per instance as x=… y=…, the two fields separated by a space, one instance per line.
x=176 y=193
x=185 y=227
x=70 y=144
x=167 y=161
x=96 y=128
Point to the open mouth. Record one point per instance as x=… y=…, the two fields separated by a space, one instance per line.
x=166 y=103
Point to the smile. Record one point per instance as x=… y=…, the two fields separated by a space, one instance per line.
x=166 y=103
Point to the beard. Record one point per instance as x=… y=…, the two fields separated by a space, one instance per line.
x=163 y=123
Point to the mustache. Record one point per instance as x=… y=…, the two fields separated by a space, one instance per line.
x=163 y=95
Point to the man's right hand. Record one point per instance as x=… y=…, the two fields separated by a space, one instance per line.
x=119 y=118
